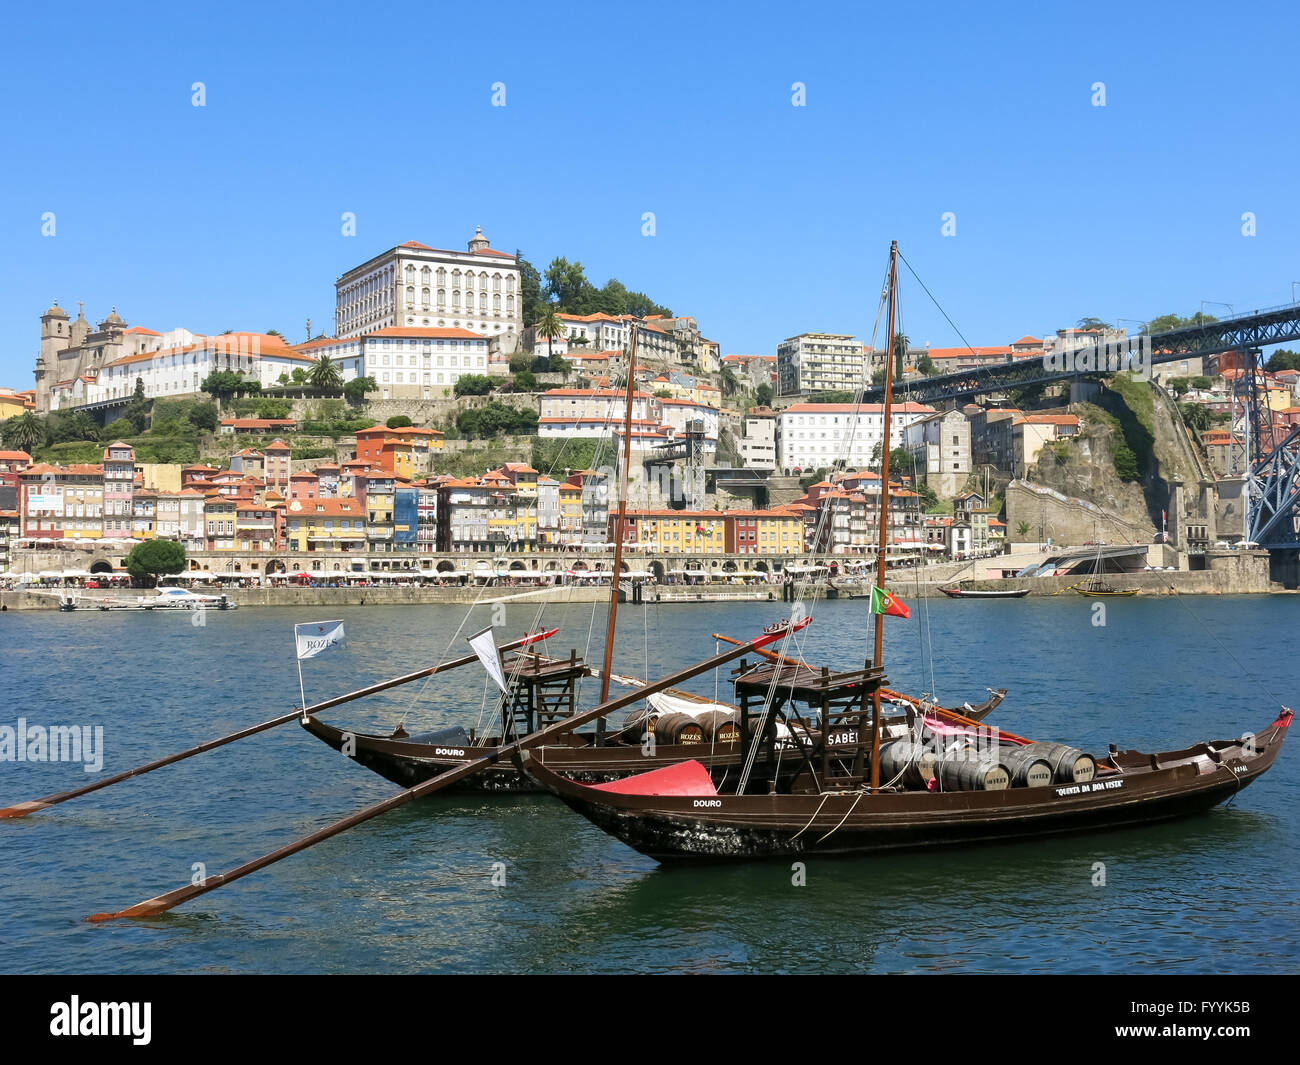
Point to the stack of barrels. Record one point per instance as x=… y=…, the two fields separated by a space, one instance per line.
x=706 y=726
x=1035 y=765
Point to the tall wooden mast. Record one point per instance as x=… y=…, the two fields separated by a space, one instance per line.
x=624 y=466
x=884 y=512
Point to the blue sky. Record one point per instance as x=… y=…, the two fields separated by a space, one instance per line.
x=770 y=219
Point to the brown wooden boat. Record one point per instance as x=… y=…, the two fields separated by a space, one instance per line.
x=545 y=692
x=865 y=785
x=677 y=814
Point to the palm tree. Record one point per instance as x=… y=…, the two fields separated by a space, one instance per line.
x=550 y=327
x=325 y=375
x=24 y=432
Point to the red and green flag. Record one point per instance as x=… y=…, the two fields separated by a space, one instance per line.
x=883 y=602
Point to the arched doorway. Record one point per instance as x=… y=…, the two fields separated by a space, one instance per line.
x=101 y=566
x=276 y=566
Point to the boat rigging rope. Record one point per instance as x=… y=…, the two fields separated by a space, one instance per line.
x=857 y=799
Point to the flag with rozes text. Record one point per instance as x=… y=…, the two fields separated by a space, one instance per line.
x=883 y=602
x=314 y=637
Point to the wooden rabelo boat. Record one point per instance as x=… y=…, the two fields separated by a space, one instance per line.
x=865 y=784
x=684 y=726
x=1098 y=586
x=963 y=590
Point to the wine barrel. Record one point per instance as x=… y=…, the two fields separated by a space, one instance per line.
x=678 y=728
x=914 y=761
x=719 y=726
x=1028 y=770
x=974 y=773
x=638 y=723
x=1069 y=764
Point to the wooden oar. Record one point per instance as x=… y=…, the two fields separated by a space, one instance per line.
x=22 y=809
x=163 y=903
x=938 y=711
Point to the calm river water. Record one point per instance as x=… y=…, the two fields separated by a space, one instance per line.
x=413 y=891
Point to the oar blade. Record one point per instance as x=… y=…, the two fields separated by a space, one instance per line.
x=22 y=809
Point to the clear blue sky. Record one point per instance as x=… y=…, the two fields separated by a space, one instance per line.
x=771 y=219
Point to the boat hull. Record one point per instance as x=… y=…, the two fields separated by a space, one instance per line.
x=724 y=827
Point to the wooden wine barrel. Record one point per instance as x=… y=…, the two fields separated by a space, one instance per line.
x=1028 y=770
x=637 y=723
x=973 y=773
x=719 y=726
x=914 y=761
x=678 y=728
x=1069 y=764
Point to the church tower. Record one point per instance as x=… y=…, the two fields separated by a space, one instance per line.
x=55 y=337
x=478 y=242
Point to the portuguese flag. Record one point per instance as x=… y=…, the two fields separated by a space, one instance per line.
x=882 y=602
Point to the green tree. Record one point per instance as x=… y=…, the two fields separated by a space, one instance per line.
x=901 y=343
x=549 y=328
x=299 y=375
x=275 y=333
x=153 y=558
x=560 y=365
x=531 y=303
x=1195 y=416
x=138 y=411
x=1166 y=323
x=1092 y=323
x=567 y=285
x=355 y=390
x=273 y=408
x=224 y=385
x=730 y=382
x=763 y=395
x=1126 y=463
x=1283 y=359
x=116 y=430
x=525 y=381
x=1179 y=384
x=204 y=416
x=473 y=384
x=398 y=421
x=325 y=375
x=24 y=432
x=494 y=419
x=926 y=365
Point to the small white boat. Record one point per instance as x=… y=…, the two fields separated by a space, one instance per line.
x=184 y=599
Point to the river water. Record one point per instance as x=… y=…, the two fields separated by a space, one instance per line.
x=414 y=891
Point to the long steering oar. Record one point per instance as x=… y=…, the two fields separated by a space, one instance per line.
x=22 y=809
x=163 y=903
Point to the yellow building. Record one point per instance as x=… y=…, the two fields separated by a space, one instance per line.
x=674 y=532
x=14 y=403
x=323 y=526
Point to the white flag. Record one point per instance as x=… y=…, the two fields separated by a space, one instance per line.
x=485 y=646
x=314 y=637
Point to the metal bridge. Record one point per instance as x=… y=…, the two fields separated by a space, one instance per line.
x=1272 y=455
x=1274 y=325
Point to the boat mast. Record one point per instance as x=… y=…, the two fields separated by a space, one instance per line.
x=618 y=526
x=884 y=513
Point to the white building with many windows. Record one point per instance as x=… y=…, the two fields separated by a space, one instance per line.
x=409 y=363
x=814 y=436
x=414 y=285
x=820 y=362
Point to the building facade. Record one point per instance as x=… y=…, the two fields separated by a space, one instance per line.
x=414 y=284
